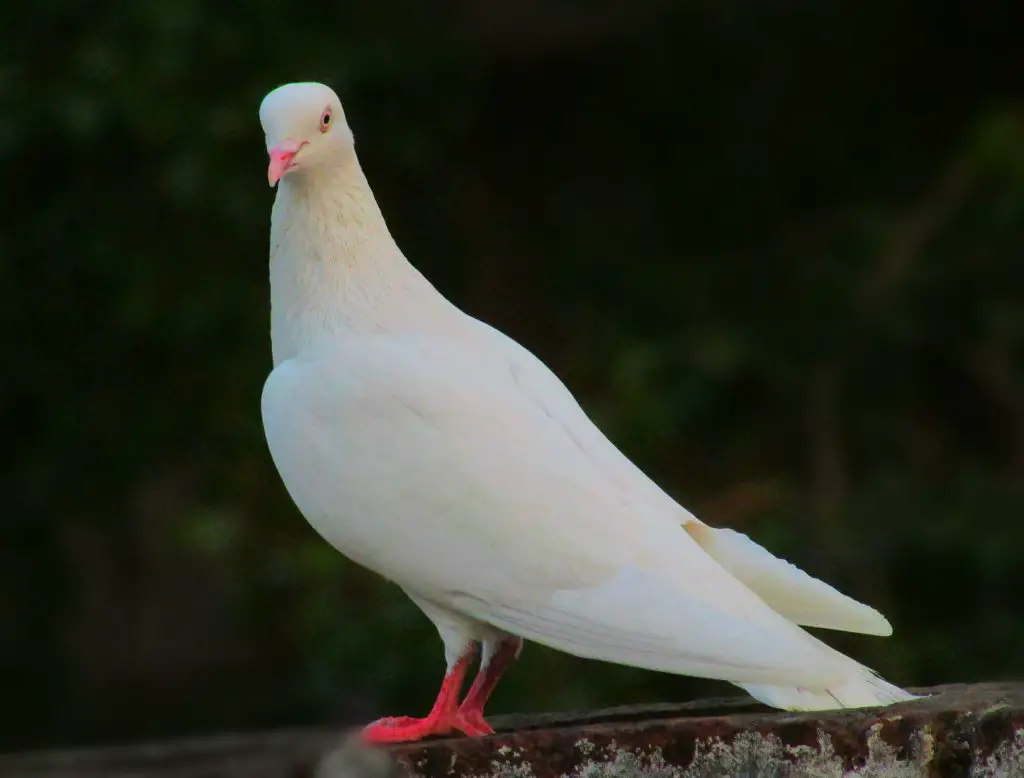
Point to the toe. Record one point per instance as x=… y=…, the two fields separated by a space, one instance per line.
x=390 y=722
x=472 y=725
x=402 y=729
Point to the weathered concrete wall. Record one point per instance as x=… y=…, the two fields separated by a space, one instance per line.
x=971 y=731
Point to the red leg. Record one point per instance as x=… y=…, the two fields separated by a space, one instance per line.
x=470 y=715
x=441 y=719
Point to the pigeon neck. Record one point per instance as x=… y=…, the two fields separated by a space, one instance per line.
x=334 y=267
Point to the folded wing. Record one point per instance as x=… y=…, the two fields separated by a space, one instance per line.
x=428 y=463
x=788 y=590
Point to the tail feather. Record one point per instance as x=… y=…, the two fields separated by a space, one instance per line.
x=785 y=588
x=864 y=689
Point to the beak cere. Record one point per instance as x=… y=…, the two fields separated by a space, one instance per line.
x=281 y=157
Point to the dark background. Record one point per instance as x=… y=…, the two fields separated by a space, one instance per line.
x=775 y=248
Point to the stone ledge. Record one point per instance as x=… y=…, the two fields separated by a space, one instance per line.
x=959 y=730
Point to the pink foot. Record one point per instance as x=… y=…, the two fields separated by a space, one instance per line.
x=446 y=714
x=440 y=721
x=402 y=729
x=469 y=717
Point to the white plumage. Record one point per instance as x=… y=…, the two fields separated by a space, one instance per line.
x=432 y=449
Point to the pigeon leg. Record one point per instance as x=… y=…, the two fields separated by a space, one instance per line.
x=470 y=715
x=441 y=719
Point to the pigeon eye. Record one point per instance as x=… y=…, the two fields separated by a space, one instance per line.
x=325 y=120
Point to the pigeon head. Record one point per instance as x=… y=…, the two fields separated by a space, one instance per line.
x=305 y=128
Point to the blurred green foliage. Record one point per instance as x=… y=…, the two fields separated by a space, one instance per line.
x=774 y=247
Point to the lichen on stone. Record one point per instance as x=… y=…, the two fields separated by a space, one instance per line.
x=754 y=755
x=883 y=760
x=748 y=755
x=1007 y=761
x=626 y=764
x=585 y=747
x=758 y=755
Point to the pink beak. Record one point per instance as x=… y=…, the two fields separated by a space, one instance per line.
x=281 y=159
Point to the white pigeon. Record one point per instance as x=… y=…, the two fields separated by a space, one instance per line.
x=437 y=452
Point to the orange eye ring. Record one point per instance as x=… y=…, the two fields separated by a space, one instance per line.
x=325 y=120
